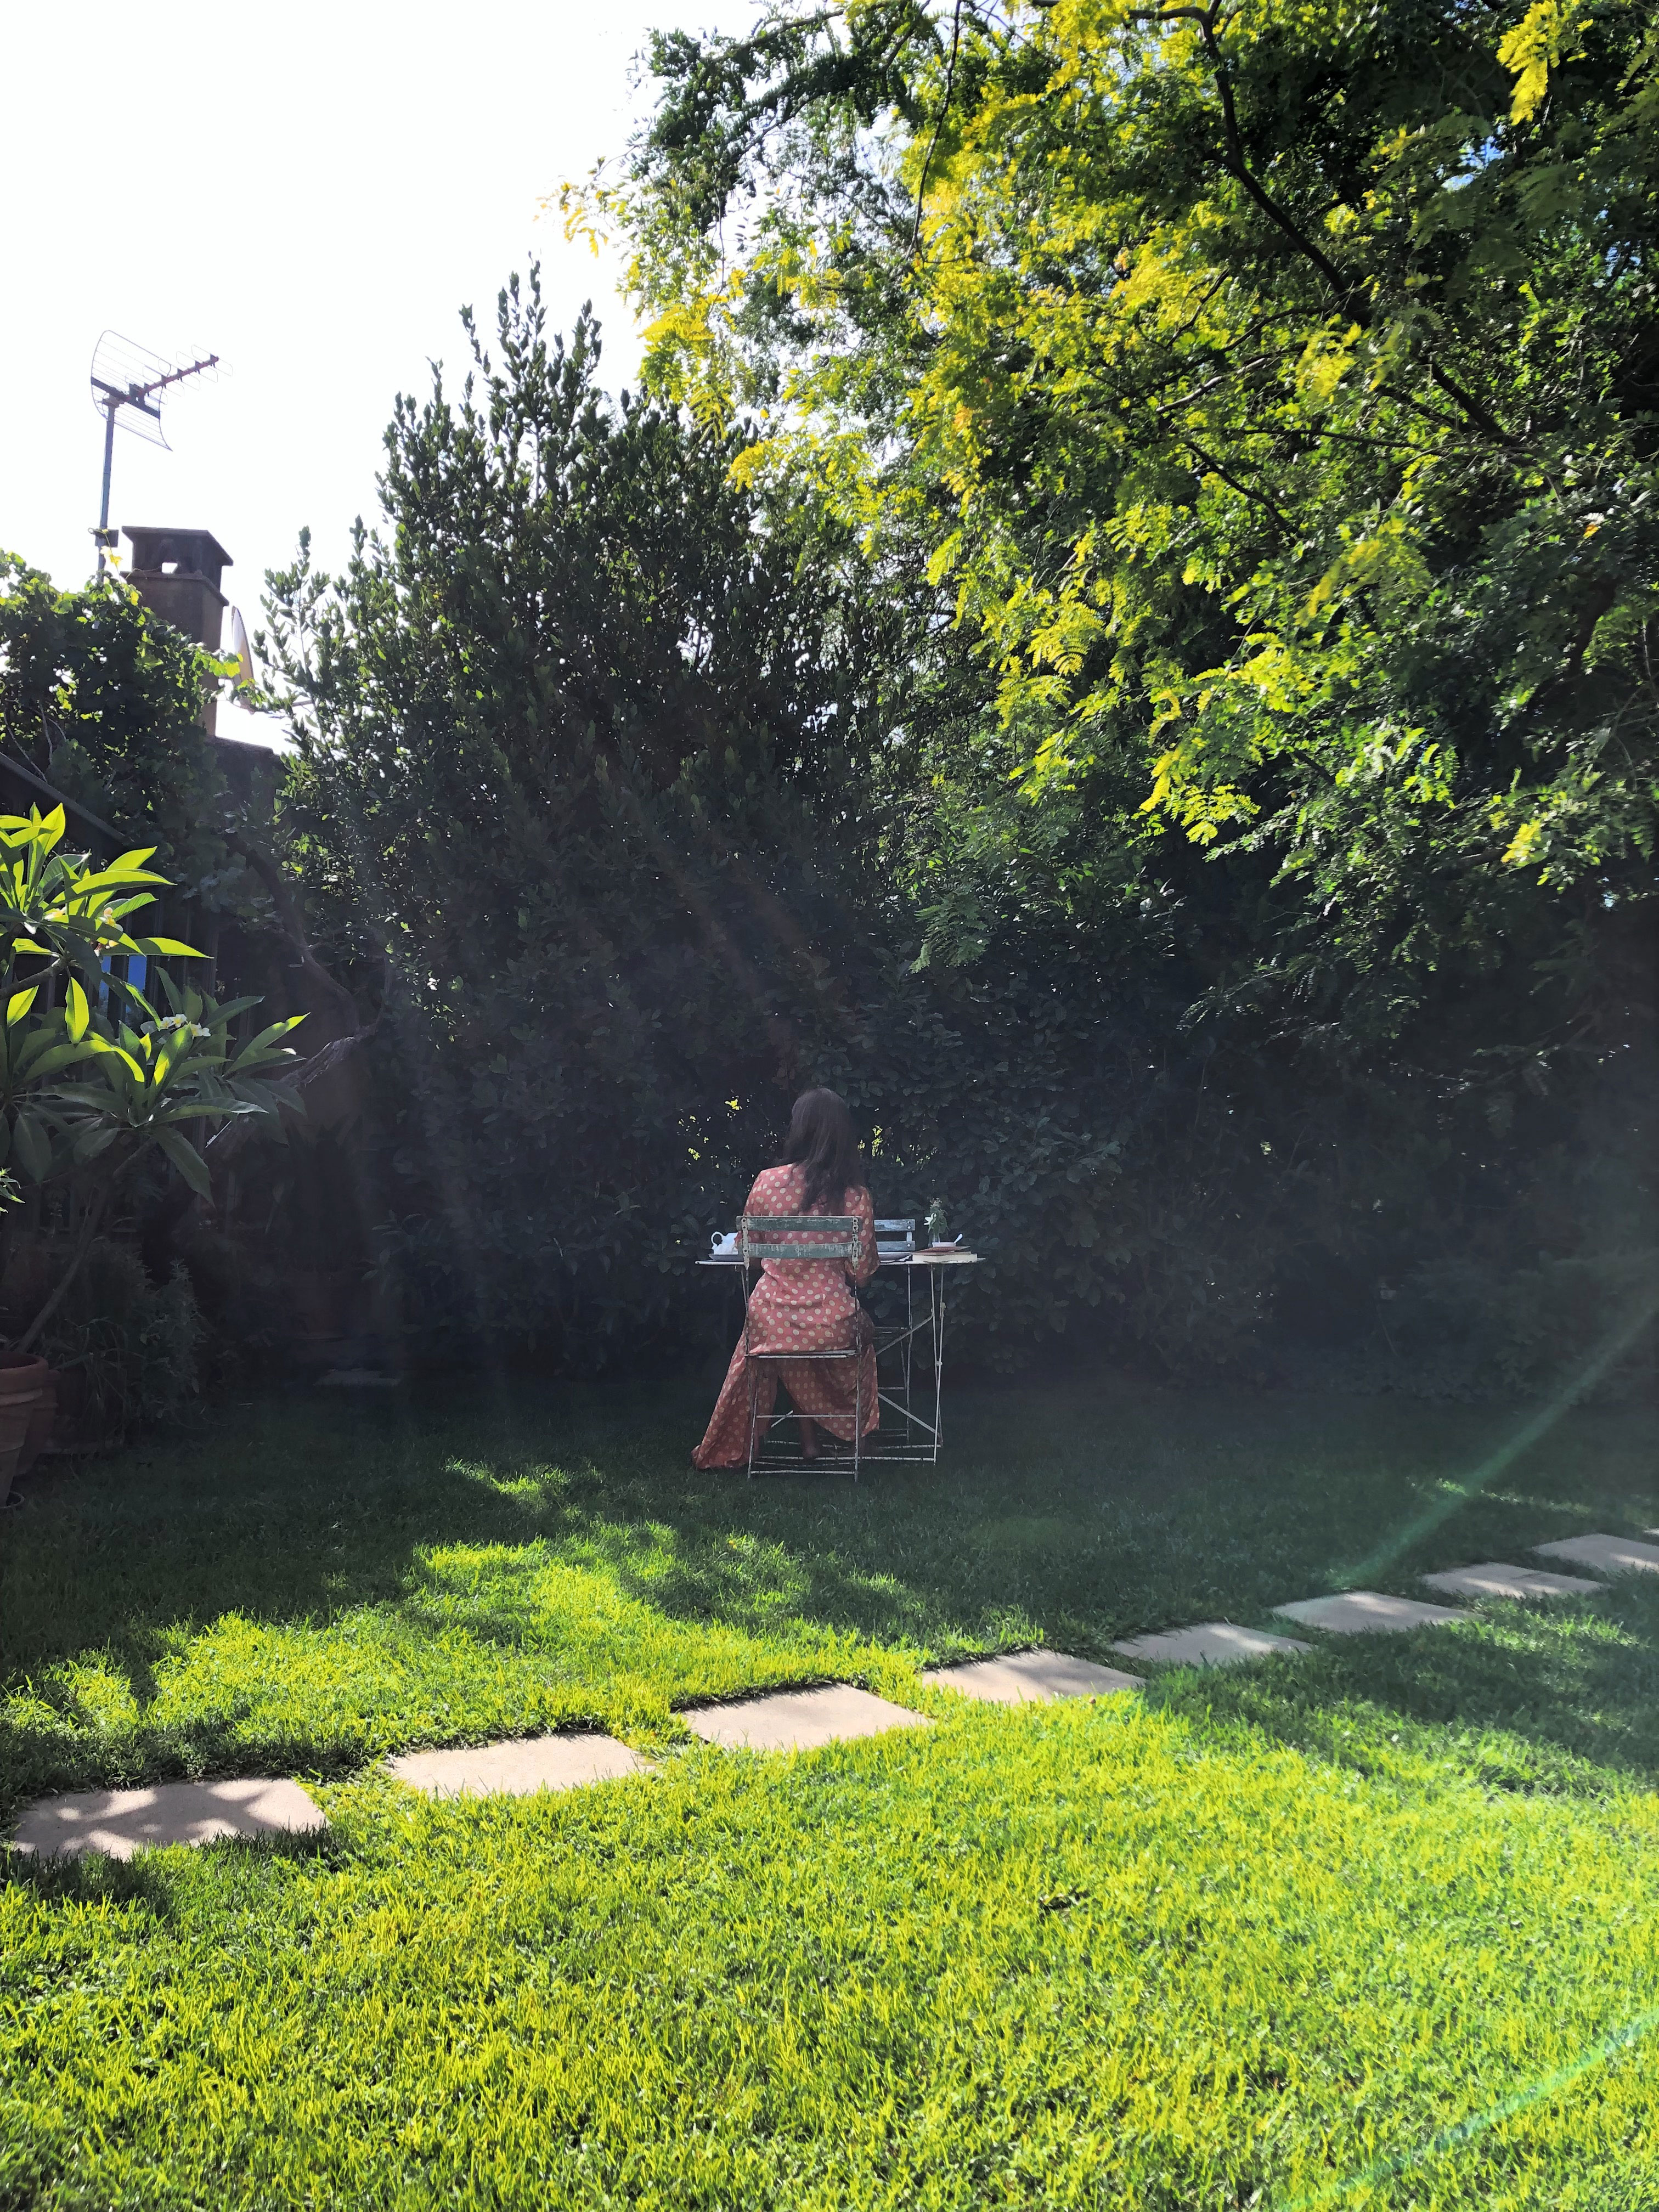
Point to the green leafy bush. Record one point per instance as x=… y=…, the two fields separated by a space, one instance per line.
x=96 y=1079
x=103 y=698
x=127 y=1350
x=1458 y=1328
x=602 y=745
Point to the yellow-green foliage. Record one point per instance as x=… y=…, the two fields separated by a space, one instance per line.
x=1179 y=334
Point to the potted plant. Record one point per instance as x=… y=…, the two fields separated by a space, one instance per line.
x=95 y=1075
x=22 y=1386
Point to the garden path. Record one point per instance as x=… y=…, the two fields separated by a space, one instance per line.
x=798 y=1720
x=1030 y=1678
x=519 y=1767
x=1210 y=1643
x=120 y=1822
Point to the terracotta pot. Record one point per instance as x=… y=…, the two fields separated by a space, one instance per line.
x=21 y=1376
x=42 y=1421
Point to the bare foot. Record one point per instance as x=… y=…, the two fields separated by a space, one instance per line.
x=809 y=1439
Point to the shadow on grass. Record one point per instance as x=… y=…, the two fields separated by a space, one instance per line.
x=149 y=1880
x=1072 y=1518
x=310 y=1517
x=1526 y=1698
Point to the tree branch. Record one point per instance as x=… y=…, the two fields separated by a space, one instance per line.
x=89 y=1221
x=1353 y=303
x=1244 y=490
x=229 y=1140
x=933 y=146
x=1211 y=383
x=287 y=913
x=1472 y=407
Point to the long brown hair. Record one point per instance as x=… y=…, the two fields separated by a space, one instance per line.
x=821 y=1140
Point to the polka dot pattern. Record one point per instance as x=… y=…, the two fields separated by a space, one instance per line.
x=797 y=1305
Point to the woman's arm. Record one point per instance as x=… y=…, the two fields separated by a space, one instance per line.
x=757 y=1202
x=869 y=1259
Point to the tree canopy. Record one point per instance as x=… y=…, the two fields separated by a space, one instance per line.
x=1273 y=389
x=1118 y=634
x=103 y=699
x=576 y=745
x=650 y=781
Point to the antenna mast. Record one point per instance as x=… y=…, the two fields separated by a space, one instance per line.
x=124 y=375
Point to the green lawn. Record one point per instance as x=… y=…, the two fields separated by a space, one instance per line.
x=1378 y=1928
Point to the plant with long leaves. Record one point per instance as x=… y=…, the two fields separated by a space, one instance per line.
x=95 y=1076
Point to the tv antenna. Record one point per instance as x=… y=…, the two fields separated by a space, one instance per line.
x=128 y=382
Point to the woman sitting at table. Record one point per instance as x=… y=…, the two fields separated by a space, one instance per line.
x=809 y=1305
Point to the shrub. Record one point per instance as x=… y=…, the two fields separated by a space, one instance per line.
x=129 y=1349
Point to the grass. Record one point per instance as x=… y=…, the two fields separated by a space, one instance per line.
x=1379 y=1927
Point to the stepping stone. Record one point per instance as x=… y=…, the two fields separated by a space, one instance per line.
x=1496 y=1580
x=1211 y=1643
x=1365 y=1613
x=518 y=1769
x=799 y=1720
x=1607 y=1555
x=1024 y=1678
x=122 y=1821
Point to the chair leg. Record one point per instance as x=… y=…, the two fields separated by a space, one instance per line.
x=754 y=1408
x=858 y=1414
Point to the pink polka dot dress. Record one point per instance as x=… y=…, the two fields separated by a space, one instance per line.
x=798 y=1305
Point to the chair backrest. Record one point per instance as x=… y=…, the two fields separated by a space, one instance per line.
x=799 y=1237
x=895 y=1240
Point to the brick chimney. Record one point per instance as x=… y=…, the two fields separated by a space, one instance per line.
x=177 y=573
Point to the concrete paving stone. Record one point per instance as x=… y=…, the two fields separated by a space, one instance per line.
x=122 y=1821
x=1495 y=1579
x=1607 y=1555
x=1022 y=1678
x=1210 y=1643
x=518 y=1768
x=798 y=1720
x=1364 y=1612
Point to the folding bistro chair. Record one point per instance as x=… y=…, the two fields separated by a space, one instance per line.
x=833 y=1236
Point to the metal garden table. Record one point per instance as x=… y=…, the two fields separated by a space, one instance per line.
x=912 y=1351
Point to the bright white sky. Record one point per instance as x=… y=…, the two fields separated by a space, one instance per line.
x=311 y=191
